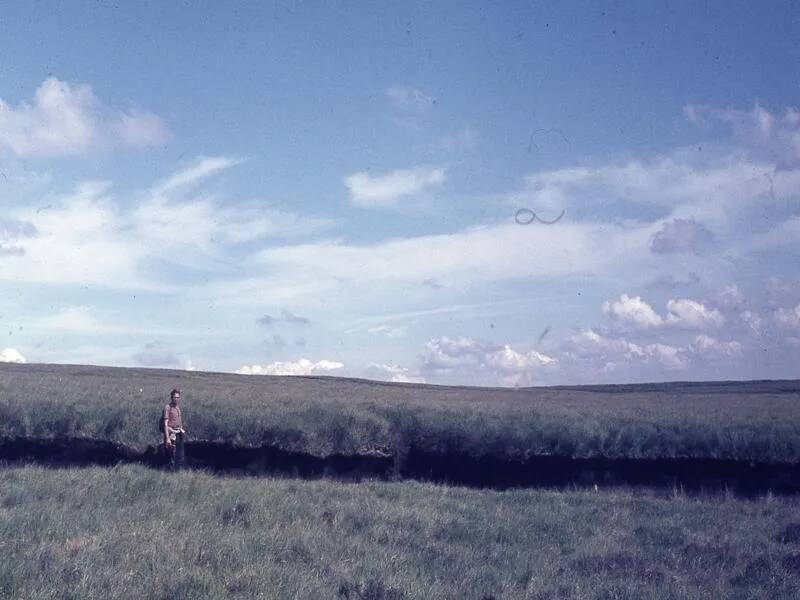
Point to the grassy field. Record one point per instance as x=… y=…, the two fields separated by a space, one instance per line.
x=754 y=421
x=133 y=532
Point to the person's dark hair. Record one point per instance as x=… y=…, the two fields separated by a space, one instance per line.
x=173 y=392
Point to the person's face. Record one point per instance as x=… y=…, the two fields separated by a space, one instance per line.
x=176 y=398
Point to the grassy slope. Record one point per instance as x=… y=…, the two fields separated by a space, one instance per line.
x=130 y=532
x=750 y=420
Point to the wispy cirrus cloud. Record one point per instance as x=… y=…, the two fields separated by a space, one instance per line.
x=69 y=120
x=91 y=236
x=766 y=134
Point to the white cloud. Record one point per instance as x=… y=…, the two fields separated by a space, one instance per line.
x=635 y=313
x=204 y=167
x=788 y=318
x=91 y=237
x=590 y=348
x=774 y=136
x=81 y=239
x=680 y=235
x=10 y=355
x=395 y=373
x=713 y=348
x=303 y=366
x=692 y=314
x=373 y=191
x=12 y=233
x=66 y=120
x=407 y=98
x=166 y=218
x=753 y=321
x=477 y=361
x=632 y=311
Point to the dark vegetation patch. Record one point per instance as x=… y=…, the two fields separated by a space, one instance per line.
x=370 y=590
x=238 y=514
x=791 y=562
x=756 y=572
x=790 y=534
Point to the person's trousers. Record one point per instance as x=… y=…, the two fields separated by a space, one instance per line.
x=176 y=453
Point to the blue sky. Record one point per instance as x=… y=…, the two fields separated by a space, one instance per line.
x=331 y=189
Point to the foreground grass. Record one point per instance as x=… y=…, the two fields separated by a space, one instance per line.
x=753 y=421
x=131 y=532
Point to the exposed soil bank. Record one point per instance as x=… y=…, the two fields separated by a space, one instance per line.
x=689 y=474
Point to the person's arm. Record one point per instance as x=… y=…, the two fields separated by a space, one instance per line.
x=167 y=443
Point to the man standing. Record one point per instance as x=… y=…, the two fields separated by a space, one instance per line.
x=173 y=430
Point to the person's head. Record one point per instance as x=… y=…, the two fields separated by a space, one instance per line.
x=175 y=396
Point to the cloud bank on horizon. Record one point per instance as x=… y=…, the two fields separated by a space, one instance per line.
x=398 y=258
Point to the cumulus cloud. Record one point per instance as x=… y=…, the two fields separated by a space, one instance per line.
x=303 y=366
x=465 y=358
x=711 y=347
x=680 y=235
x=10 y=355
x=635 y=313
x=692 y=314
x=632 y=311
x=618 y=354
x=788 y=318
x=395 y=373
x=408 y=98
x=66 y=120
x=374 y=191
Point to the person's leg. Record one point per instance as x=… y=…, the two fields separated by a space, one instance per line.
x=179 y=452
x=169 y=456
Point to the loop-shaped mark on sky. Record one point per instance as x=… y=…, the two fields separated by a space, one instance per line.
x=525 y=216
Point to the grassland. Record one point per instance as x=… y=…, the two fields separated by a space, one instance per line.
x=133 y=532
x=752 y=421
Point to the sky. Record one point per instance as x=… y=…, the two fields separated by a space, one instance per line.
x=497 y=194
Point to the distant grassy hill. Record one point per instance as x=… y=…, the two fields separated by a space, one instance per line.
x=753 y=421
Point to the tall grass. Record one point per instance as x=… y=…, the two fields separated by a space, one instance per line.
x=757 y=421
x=132 y=532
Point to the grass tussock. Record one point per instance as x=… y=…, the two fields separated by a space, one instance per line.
x=752 y=421
x=131 y=532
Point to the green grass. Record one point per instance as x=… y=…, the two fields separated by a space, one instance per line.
x=754 y=421
x=132 y=532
